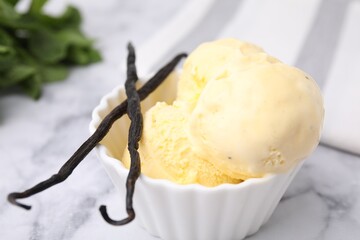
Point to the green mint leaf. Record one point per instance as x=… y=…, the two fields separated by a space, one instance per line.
x=71 y=18
x=47 y=47
x=7 y=51
x=54 y=73
x=82 y=55
x=73 y=37
x=12 y=2
x=7 y=57
x=32 y=86
x=36 y=6
x=7 y=12
x=16 y=75
x=94 y=55
x=6 y=38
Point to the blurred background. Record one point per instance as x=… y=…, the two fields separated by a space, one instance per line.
x=36 y=137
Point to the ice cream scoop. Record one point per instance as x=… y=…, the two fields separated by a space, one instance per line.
x=166 y=151
x=239 y=113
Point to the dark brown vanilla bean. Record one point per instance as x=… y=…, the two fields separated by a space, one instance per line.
x=104 y=127
x=135 y=131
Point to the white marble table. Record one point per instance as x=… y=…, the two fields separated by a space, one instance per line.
x=36 y=137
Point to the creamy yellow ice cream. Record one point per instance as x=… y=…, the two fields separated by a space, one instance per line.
x=166 y=151
x=239 y=113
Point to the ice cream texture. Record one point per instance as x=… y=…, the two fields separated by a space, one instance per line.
x=239 y=113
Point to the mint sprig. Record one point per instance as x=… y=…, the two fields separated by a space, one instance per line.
x=37 y=48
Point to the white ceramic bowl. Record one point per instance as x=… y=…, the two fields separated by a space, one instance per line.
x=171 y=211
